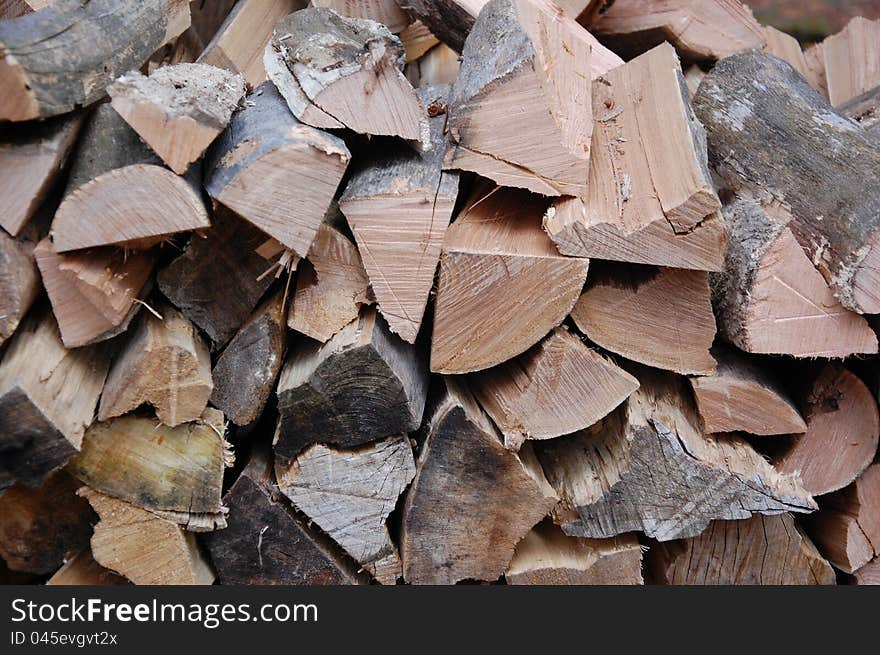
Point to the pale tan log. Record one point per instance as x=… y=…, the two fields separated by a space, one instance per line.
x=19 y=283
x=165 y=363
x=503 y=285
x=417 y=41
x=869 y=574
x=387 y=12
x=786 y=47
x=815 y=58
x=440 y=65
x=852 y=60
x=558 y=387
x=82 y=569
x=693 y=75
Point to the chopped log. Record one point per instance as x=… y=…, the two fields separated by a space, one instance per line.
x=176 y=473
x=834 y=207
x=503 y=285
x=547 y=556
x=869 y=574
x=94 y=293
x=744 y=396
x=399 y=203
x=387 y=12
x=349 y=495
x=82 y=569
x=843 y=428
x=48 y=396
x=558 y=387
x=417 y=41
x=786 y=47
x=816 y=77
x=763 y=550
x=703 y=30
x=19 y=283
x=450 y=20
x=770 y=298
x=31 y=158
x=206 y=18
x=266 y=162
x=362 y=385
x=338 y=72
x=146 y=549
x=693 y=75
x=119 y=193
x=865 y=110
x=178 y=110
x=245 y=373
x=62 y=58
x=440 y=65
x=40 y=527
x=165 y=364
x=606 y=476
x=661 y=317
x=851 y=60
x=472 y=500
x=15 y=8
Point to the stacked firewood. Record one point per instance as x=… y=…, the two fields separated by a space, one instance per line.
x=574 y=292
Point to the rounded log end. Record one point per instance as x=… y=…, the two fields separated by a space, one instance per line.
x=18 y=101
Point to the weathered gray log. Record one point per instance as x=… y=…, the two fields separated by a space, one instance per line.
x=19 y=283
x=449 y=20
x=865 y=110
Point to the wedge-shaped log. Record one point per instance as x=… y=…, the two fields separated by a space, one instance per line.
x=851 y=60
x=865 y=110
x=503 y=285
x=753 y=102
x=661 y=317
x=387 y=12
x=19 y=283
x=48 y=396
x=785 y=46
x=399 y=204
x=558 y=387
x=816 y=78
x=82 y=569
x=337 y=72
x=763 y=550
x=417 y=41
x=349 y=495
x=869 y=574
x=362 y=385
x=267 y=162
x=440 y=65
x=164 y=363
x=649 y=467
x=472 y=500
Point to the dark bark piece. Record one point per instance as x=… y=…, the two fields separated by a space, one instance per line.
x=769 y=130
x=19 y=283
x=450 y=20
x=362 y=385
x=865 y=110
x=63 y=57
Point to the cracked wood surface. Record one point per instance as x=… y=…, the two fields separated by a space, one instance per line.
x=19 y=283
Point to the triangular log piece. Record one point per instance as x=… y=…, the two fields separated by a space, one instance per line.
x=816 y=78
x=349 y=495
x=399 y=204
x=337 y=72
x=752 y=102
x=440 y=65
x=547 y=556
x=417 y=40
x=558 y=387
x=144 y=548
x=387 y=12
x=19 y=283
x=693 y=75
x=178 y=110
x=267 y=162
x=842 y=434
x=786 y=47
x=472 y=500
x=82 y=569
x=865 y=110
x=245 y=373
x=94 y=293
x=771 y=299
x=503 y=285
x=851 y=60
x=165 y=364
x=661 y=317
x=206 y=18
x=744 y=396
x=869 y=574
x=362 y=385
x=450 y=20
x=704 y=30
x=649 y=467
x=48 y=396
x=763 y=550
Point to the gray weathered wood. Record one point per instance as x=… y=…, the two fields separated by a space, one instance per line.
x=865 y=110
x=19 y=283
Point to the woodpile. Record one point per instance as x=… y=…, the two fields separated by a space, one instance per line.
x=399 y=292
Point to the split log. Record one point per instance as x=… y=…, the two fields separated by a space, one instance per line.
x=94 y=293
x=816 y=77
x=417 y=41
x=244 y=375
x=176 y=473
x=450 y=20
x=62 y=58
x=19 y=283
x=48 y=396
x=851 y=60
x=165 y=364
x=865 y=110
x=119 y=193
x=178 y=110
x=472 y=500
x=869 y=574
x=770 y=297
x=547 y=556
x=650 y=199
x=558 y=387
x=786 y=47
x=693 y=75
x=266 y=162
x=703 y=30
x=661 y=317
x=387 y=12
x=82 y=569
x=15 y=8
x=843 y=428
x=745 y=396
x=764 y=550
x=146 y=549
x=362 y=385
x=399 y=203
x=206 y=18
x=349 y=495
x=503 y=285
x=607 y=476
x=40 y=527
x=440 y=65
x=836 y=210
